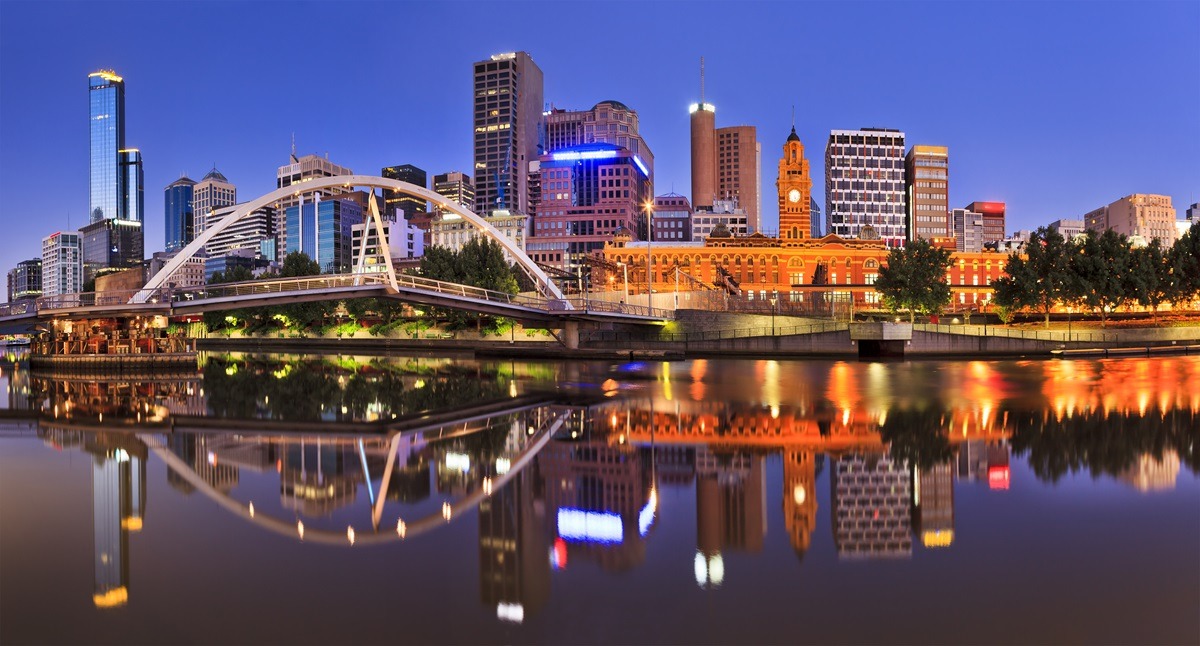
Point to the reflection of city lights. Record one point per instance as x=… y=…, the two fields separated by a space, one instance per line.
x=710 y=570
x=799 y=494
x=401 y=528
x=212 y=459
x=300 y=529
x=558 y=554
x=487 y=486
x=775 y=412
x=845 y=417
x=460 y=462
x=646 y=516
x=502 y=466
x=252 y=510
x=512 y=389
x=589 y=526
x=350 y=533
x=446 y=511
x=511 y=612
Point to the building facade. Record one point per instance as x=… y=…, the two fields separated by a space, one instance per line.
x=25 y=280
x=298 y=171
x=106 y=124
x=704 y=153
x=255 y=231
x=189 y=274
x=1141 y=214
x=1068 y=228
x=132 y=186
x=588 y=193
x=738 y=171
x=507 y=126
x=323 y=230
x=794 y=188
x=405 y=241
x=178 y=216
x=607 y=122
x=993 y=219
x=210 y=194
x=967 y=230
x=456 y=187
x=926 y=192
x=672 y=221
x=395 y=200
x=864 y=184
x=62 y=263
x=452 y=231
x=111 y=244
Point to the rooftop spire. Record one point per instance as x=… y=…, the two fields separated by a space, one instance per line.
x=702 y=81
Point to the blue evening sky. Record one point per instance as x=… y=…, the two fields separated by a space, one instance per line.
x=1054 y=108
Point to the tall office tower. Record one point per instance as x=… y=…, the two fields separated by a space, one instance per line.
x=212 y=192
x=457 y=187
x=738 y=176
x=323 y=230
x=607 y=122
x=408 y=204
x=993 y=219
x=301 y=169
x=967 y=227
x=1149 y=216
x=588 y=193
x=794 y=186
x=507 y=123
x=871 y=496
x=933 y=505
x=815 y=217
x=106 y=118
x=62 y=263
x=864 y=184
x=926 y=177
x=111 y=243
x=25 y=280
x=178 y=214
x=672 y=218
x=132 y=186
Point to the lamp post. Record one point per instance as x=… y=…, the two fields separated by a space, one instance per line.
x=649 y=263
x=625 y=273
x=774 y=299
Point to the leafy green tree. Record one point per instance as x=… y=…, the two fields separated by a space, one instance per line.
x=1099 y=272
x=1184 y=259
x=1150 y=280
x=297 y=264
x=479 y=263
x=915 y=279
x=1038 y=279
x=235 y=274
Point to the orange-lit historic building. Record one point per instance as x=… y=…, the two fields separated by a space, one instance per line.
x=792 y=266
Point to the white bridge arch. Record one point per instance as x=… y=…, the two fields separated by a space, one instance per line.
x=544 y=285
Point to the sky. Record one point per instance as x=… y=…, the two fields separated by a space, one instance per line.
x=1054 y=108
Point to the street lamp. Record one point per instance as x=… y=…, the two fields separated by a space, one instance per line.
x=649 y=264
x=774 y=299
x=625 y=272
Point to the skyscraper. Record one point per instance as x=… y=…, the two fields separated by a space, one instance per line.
x=864 y=184
x=212 y=192
x=926 y=176
x=739 y=156
x=457 y=187
x=609 y=122
x=507 y=123
x=106 y=119
x=408 y=204
x=704 y=152
x=111 y=243
x=323 y=230
x=178 y=215
x=132 y=186
x=25 y=280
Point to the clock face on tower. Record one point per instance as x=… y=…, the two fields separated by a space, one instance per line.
x=794 y=196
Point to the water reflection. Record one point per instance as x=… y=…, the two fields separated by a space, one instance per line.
x=362 y=452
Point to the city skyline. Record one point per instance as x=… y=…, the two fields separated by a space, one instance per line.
x=1068 y=109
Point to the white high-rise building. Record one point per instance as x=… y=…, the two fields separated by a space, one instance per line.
x=62 y=263
x=864 y=184
x=208 y=195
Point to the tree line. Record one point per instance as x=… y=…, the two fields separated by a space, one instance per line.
x=1094 y=272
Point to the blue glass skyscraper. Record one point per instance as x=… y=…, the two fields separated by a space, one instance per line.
x=322 y=230
x=133 y=205
x=106 y=117
x=179 y=214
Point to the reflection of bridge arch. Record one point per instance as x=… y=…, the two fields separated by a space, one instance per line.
x=331 y=537
x=543 y=282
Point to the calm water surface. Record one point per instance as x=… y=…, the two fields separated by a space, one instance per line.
x=418 y=500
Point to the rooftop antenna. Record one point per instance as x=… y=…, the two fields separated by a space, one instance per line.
x=294 y=158
x=793 y=117
x=701 y=82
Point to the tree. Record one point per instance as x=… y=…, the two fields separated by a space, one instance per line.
x=298 y=263
x=1039 y=279
x=1184 y=259
x=235 y=274
x=295 y=265
x=915 y=279
x=1099 y=272
x=479 y=263
x=1150 y=280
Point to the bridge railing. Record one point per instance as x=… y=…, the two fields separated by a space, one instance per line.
x=583 y=303
x=28 y=306
x=100 y=299
x=1060 y=336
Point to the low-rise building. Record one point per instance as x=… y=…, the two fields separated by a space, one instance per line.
x=723 y=212
x=1141 y=214
x=672 y=218
x=452 y=231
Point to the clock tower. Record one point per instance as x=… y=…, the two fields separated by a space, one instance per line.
x=795 y=191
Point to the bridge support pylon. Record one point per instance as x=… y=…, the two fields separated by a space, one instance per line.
x=570 y=335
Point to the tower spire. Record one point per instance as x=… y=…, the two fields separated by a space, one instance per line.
x=701 y=82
